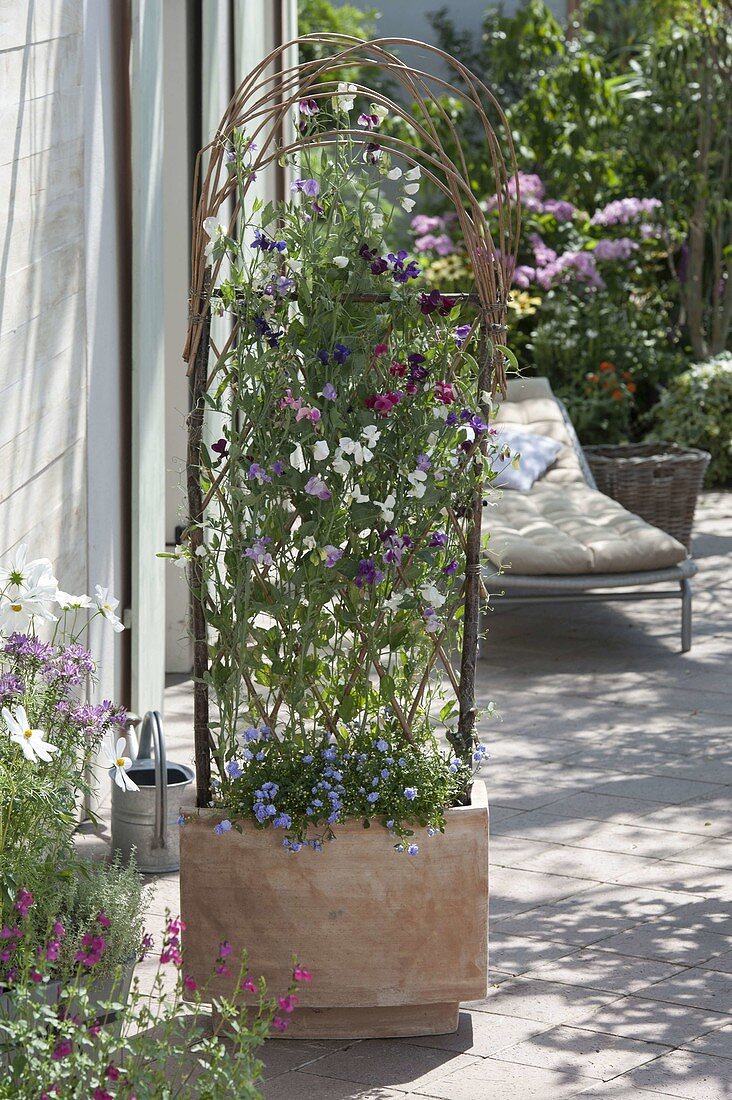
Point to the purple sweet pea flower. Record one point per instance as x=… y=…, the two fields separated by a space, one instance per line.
x=278 y=467
x=316 y=487
x=332 y=555
x=221 y=447
x=308 y=107
x=310 y=187
x=368 y=573
x=341 y=353
x=258 y=473
x=330 y=393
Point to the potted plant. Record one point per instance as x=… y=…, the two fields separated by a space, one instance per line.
x=50 y=733
x=334 y=555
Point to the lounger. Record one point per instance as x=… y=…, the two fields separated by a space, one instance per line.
x=563 y=539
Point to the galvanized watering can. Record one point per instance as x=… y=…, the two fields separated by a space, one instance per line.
x=147 y=820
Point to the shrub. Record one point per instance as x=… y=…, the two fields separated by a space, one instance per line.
x=696 y=411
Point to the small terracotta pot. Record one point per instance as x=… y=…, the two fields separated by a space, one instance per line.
x=393 y=942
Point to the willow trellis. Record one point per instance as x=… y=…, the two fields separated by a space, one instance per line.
x=262 y=108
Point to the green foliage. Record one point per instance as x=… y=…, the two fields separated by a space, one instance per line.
x=165 y=1045
x=324 y=17
x=696 y=411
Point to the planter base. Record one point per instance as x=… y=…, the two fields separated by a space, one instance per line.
x=391 y=1022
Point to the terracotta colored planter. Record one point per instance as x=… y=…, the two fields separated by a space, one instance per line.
x=393 y=942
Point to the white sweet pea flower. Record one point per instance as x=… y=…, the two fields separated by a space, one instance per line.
x=345 y=94
x=108 y=605
x=340 y=261
x=380 y=111
x=67 y=602
x=371 y=435
x=297 y=459
x=376 y=216
x=117 y=762
x=180 y=557
x=309 y=543
x=407 y=204
x=294 y=265
x=340 y=464
x=358 y=451
x=432 y=441
x=394 y=174
x=30 y=740
x=394 y=601
x=417 y=480
x=321 y=450
x=355 y=496
x=214 y=228
x=413 y=173
x=432 y=595
x=411 y=188
x=387 y=508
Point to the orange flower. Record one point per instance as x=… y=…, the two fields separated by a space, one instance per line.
x=593 y=378
x=631 y=387
x=617 y=395
x=607 y=366
x=627 y=374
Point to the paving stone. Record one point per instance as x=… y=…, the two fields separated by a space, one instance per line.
x=710 y=853
x=687 y=1075
x=509 y=851
x=586 y=863
x=482 y=1034
x=606 y=970
x=668 y=940
x=307 y=1086
x=718 y=1043
x=389 y=1063
x=707 y=817
x=594 y=1055
x=512 y=893
x=688 y=878
x=547 y=1002
x=491 y=1078
x=622 y=1089
x=696 y=987
x=655 y=788
x=517 y=954
x=603 y=807
x=286 y=1055
x=653 y=1021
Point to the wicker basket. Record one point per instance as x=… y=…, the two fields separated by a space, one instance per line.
x=658 y=481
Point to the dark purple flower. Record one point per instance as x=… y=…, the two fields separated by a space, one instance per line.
x=438 y=538
x=451 y=419
x=265 y=330
x=308 y=107
x=368 y=122
x=450 y=568
x=341 y=353
x=267 y=244
x=435 y=302
x=220 y=447
x=368 y=573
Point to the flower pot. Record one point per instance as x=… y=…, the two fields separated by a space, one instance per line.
x=393 y=942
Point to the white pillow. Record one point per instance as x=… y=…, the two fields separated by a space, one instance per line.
x=537 y=454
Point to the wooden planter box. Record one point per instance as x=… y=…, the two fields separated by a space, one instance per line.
x=393 y=942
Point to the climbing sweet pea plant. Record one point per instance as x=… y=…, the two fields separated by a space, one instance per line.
x=333 y=515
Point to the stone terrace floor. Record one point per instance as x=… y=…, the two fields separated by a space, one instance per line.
x=610 y=787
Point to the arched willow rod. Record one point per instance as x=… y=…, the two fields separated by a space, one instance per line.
x=263 y=108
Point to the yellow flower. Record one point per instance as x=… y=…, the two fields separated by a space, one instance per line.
x=523 y=303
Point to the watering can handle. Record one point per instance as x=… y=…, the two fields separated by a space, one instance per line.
x=152 y=734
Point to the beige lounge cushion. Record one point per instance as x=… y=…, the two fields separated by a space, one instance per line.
x=531 y=407
x=564 y=527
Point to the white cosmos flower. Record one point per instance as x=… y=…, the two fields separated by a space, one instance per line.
x=321 y=450
x=355 y=496
x=108 y=605
x=30 y=740
x=297 y=458
x=340 y=261
x=21 y=573
x=407 y=204
x=18 y=609
x=67 y=602
x=387 y=508
x=343 y=100
x=117 y=762
x=394 y=174
x=432 y=595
